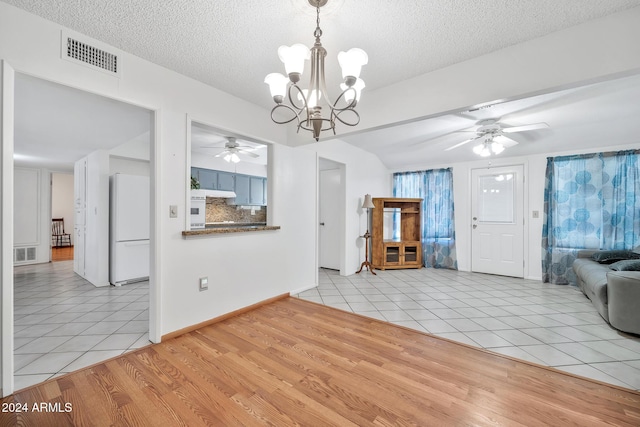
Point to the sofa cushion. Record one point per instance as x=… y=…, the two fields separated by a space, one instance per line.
x=594 y=280
x=608 y=257
x=626 y=265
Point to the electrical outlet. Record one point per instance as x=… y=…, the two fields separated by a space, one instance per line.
x=173 y=211
x=204 y=283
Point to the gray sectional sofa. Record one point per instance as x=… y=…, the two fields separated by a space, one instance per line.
x=611 y=280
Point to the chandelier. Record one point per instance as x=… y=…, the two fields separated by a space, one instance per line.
x=305 y=106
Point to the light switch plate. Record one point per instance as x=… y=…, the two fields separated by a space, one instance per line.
x=204 y=283
x=173 y=211
x=535 y=214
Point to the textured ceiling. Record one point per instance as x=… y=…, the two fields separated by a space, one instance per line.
x=231 y=44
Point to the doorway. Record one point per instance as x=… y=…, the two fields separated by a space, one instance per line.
x=65 y=143
x=497 y=210
x=62 y=211
x=330 y=214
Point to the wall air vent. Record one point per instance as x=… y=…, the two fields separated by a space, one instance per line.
x=22 y=255
x=89 y=54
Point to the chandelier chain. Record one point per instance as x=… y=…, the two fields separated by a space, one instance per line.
x=318 y=32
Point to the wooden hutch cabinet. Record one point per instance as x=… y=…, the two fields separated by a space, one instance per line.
x=405 y=249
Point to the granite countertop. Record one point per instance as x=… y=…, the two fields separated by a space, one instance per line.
x=230 y=229
x=233 y=224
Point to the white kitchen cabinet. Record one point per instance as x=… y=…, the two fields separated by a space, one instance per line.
x=91 y=229
x=78 y=249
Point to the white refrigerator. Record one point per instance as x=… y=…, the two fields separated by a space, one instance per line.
x=129 y=202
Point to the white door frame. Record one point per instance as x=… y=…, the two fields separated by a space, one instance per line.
x=7 y=85
x=521 y=220
x=342 y=210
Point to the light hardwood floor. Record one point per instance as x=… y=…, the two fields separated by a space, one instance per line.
x=64 y=253
x=294 y=362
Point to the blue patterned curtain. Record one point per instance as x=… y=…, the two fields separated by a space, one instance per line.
x=591 y=201
x=435 y=187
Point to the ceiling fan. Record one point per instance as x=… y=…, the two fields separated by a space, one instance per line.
x=232 y=149
x=491 y=135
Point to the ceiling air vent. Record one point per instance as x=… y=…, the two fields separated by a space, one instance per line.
x=87 y=54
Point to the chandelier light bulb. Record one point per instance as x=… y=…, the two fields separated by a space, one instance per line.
x=478 y=149
x=351 y=62
x=358 y=86
x=313 y=99
x=485 y=152
x=277 y=85
x=293 y=58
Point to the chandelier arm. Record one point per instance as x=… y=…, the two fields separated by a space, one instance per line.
x=300 y=94
x=336 y=114
x=296 y=114
x=329 y=125
x=351 y=104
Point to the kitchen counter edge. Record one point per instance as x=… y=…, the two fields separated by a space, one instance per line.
x=224 y=230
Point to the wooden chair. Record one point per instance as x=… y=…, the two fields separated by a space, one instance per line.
x=58 y=236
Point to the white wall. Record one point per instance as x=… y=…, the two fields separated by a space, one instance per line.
x=62 y=200
x=32 y=207
x=129 y=166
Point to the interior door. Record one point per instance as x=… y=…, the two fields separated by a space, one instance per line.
x=7 y=78
x=497 y=235
x=329 y=229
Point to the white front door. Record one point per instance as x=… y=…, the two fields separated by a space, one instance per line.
x=329 y=228
x=7 y=78
x=497 y=235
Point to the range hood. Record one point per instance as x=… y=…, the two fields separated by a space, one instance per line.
x=214 y=193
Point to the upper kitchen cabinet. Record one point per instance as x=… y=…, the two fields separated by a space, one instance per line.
x=242 y=189
x=208 y=179
x=257 y=191
x=226 y=181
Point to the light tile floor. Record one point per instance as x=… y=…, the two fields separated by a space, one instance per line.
x=546 y=324
x=64 y=323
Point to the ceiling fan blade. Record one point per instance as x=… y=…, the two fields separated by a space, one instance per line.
x=506 y=141
x=248 y=153
x=460 y=144
x=533 y=126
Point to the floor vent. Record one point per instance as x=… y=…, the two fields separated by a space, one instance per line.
x=24 y=254
x=78 y=51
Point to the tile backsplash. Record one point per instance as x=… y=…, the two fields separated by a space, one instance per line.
x=218 y=211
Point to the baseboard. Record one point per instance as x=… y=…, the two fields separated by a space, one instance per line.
x=221 y=318
x=300 y=290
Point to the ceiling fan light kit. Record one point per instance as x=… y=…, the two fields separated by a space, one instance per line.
x=490 y=129
x=305 y=105
x=232 y=150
